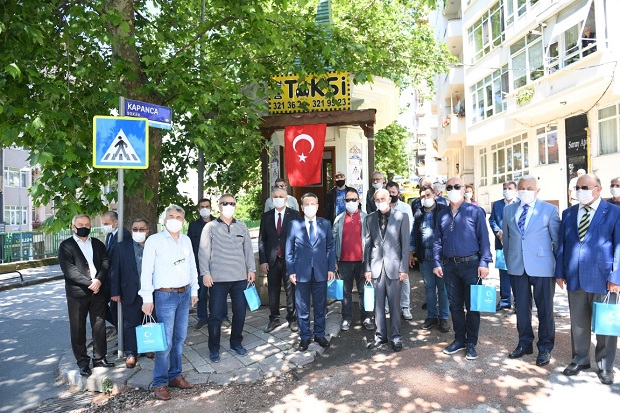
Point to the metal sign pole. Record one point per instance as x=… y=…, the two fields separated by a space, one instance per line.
x=121 y=195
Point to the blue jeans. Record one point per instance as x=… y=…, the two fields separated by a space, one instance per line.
x=219 y=308
x=202 y=311
x=173 y=310
x=459 y=277
x=435 y=288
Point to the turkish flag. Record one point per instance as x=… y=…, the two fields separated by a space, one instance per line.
x=303 y=153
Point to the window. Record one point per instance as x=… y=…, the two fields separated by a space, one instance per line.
x=510 y=159
x=548 y=145
x=526 y=56
x=487 y=33
x=483 y=167
x=488 y=96
x=15 y=215
x=15 y=177
x=520 y=6
x=609 y=129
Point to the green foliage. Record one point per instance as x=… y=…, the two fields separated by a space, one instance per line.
x=391 y=150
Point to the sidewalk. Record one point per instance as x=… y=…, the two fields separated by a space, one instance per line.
x=31 y=276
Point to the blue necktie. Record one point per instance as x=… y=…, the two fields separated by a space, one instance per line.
x=312 y=233
x=521 y=223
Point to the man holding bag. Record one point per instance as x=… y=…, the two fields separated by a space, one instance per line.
x=587 y=264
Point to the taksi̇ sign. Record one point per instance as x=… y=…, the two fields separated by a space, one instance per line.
x=314 y=97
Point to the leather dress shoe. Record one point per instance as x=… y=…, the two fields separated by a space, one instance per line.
x=377 y=342
x=130 y=362
x=606 y=376
x=322 y=341
x=85 y=371
x=544 y=357
x=368 y=324
x=575 y=368
x=293 y=326
x=161 y=393
x=149 y=355
x=520 y=351
x=180 y=383
x=303 y=345
x=271 y=326
x=102 y=363
x=200 y=324
x=500 y=307
x=397 y=346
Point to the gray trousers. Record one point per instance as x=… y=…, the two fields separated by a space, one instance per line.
x=390 y=289
x=580 y=304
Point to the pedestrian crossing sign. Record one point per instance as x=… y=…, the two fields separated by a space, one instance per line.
x=120 y=142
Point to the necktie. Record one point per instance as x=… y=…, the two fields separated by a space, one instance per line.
x=312 y=233
x=279 y=230
x=108 y=241
x=521 y=222
x=584 y=223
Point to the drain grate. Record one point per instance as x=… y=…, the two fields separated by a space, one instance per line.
x=67 y=403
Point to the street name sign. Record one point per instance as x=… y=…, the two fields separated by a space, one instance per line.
x=158 y=116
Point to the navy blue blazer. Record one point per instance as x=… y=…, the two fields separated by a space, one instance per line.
x=124 y=274
x=496 y=220
x=302 y=256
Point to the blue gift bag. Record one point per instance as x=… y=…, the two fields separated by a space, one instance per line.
x=606 y=318
x=500 y=261
x=151 y=336
x=369 y=297
x=251 y=296
x=335 y=289
x=482 y=298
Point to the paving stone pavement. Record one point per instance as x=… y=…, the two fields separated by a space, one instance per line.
x=269 y=354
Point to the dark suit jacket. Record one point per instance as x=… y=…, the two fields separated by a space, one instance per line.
x=496 y=220
x=194 y=231
x=124 y=274
x=75 y=267
x=418 y=221
x=268 y=239
x=370 y=200
x=126 y=235
x=302 y=256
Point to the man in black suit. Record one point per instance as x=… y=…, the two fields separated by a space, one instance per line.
x=109 y=221
x=271 y=249
x=125 y=268
x=84 y=263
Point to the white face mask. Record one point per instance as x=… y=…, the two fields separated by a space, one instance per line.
x=310 y=211
x=508 y=194
x=428 y=202
x=173 y=225
x=278 y=202
x=469 y=195
x=615 y=192
x=205 y=212
x=352 y=207
x=527 y=197
x=108 y=229
x=455 y=195
x=138 y=237
x=377 y=185
x=382 y=206
x=228 y=211
x=584 y=196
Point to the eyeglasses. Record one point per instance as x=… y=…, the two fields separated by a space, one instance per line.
x=585 y=187
x=351 y=199
x=456 y=186
x=139 y=229
x=377 y=179
x=181 y=261
x=339 y=176
x=226 y=203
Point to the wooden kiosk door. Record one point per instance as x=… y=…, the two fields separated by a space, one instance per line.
x=321 y=189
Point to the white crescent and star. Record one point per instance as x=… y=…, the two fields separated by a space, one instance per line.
x=303 y=137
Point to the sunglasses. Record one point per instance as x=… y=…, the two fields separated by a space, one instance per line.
x=456 y=186
x=226 y=203
x=585 y=187
x=139 y=229
x=351 y=199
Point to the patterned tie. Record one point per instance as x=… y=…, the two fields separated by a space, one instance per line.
x=584 y=223
x=108 y=241
x=521 y=222
x=279 y=230
x=312 y=233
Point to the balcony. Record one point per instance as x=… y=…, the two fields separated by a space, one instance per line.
x=454 y=36
x=453 y=83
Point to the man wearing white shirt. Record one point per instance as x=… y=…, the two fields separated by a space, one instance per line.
x=291 y=202
x=169 y=276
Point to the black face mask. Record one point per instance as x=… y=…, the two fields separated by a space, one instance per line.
x=82 y=232
x=394 y=198
x=340 y=182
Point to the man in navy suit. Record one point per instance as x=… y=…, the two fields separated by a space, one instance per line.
x=109 y=221
x=531 y=230
x=125 y=268
x=310 y=263
x=588 y=264
x=506 y=289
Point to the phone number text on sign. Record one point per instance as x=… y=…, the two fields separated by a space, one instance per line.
x=314 y=97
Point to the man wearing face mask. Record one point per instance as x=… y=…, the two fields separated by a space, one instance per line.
x=495 y=221
x=397 y=205
x=227 y=266
x=531 y=231
x=84 y=264
x=334 y=204
x=462 y=254
x=310 y=263
x=572 y=192
x=271 y=247
x=377 y=182
x=587 y=264
x=349 y=232
x=291 y=202
x=194 y=231
x=109 y=221
x=169 y=280
x=614 y=188
x=125 y=267
x=386 y=252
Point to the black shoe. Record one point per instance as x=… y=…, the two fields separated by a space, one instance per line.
x=272 y=326
x=368 y=324
x=424 y=306
x=397 y=346
x=85 y=371
x=454 y=347
x=322 y=341
x=429 y=323
x=226 y=322
x=471 y=353
x=520 y=351
x=574 y=368
x=502 y=307
x=200 y=324
x=544 y=357
x=303 y=345
x=444 y=325
x=606 y=376
x=293 y=326
x=102 y=363
x=377 y=342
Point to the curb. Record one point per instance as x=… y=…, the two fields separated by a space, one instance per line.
x=30 y=282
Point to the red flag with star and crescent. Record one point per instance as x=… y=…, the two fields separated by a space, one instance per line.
x=303 y=153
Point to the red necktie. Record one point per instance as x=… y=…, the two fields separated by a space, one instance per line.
x=278 y=230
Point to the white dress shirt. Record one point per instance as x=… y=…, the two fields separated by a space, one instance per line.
x=530 y=211
x=594 y=205
x=87 y=249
